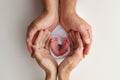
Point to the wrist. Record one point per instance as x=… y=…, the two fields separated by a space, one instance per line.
x=67 y=13
x=50 y=6
x=50 y=76
x=67 y=7
x=50 y=11
x=63 y=75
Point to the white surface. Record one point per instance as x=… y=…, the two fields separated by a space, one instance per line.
x=102 y=63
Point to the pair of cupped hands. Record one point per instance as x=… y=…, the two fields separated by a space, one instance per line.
x=80 y=37
x=47 y=62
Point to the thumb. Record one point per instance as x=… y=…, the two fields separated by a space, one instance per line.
x=85 y=36
x=30 y=35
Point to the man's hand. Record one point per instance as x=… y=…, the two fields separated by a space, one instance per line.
x=74 y=22
x=43 y=56
x=47 y=20
x=71 y=21
x=75 y=56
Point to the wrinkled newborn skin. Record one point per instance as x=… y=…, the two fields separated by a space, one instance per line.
x=56 y=49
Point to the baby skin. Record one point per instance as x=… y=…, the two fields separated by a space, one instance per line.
x=59 y=50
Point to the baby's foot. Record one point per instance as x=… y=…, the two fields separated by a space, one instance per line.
x=54 y=46
x=65 y=46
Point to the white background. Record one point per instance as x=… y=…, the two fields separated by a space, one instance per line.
x=102 y=63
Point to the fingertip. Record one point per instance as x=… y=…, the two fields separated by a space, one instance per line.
x=29 y=43
x=87 y=40
x=30 y=49
x=90 y=34
x=86 y=49
x=85 y=37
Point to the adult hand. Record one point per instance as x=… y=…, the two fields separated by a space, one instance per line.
x=43 y=56
x=71 y=21
x=48 y=20
x=75 y=56
x=76 y=23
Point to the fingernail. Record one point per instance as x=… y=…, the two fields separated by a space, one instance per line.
x=88 y=41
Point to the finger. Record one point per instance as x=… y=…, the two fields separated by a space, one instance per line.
x=31 y=32
x=86 y=49
x=88 y=46
x=46 y=35
x=90 y=34
x=45 y=32
x=39 y=38
x=68 y=40
x=85 y=36
x=48 y=42
x=35 y=37
x=78 y=37
x=29 y=45
x=70 y=37
x=73 y=35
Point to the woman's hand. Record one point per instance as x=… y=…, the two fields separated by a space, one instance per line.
x=43 y=56
x=75 y=56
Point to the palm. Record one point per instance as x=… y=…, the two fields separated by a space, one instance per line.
x=42 y=54
x=47 y=61
x=76 y=23
x=76 y=54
